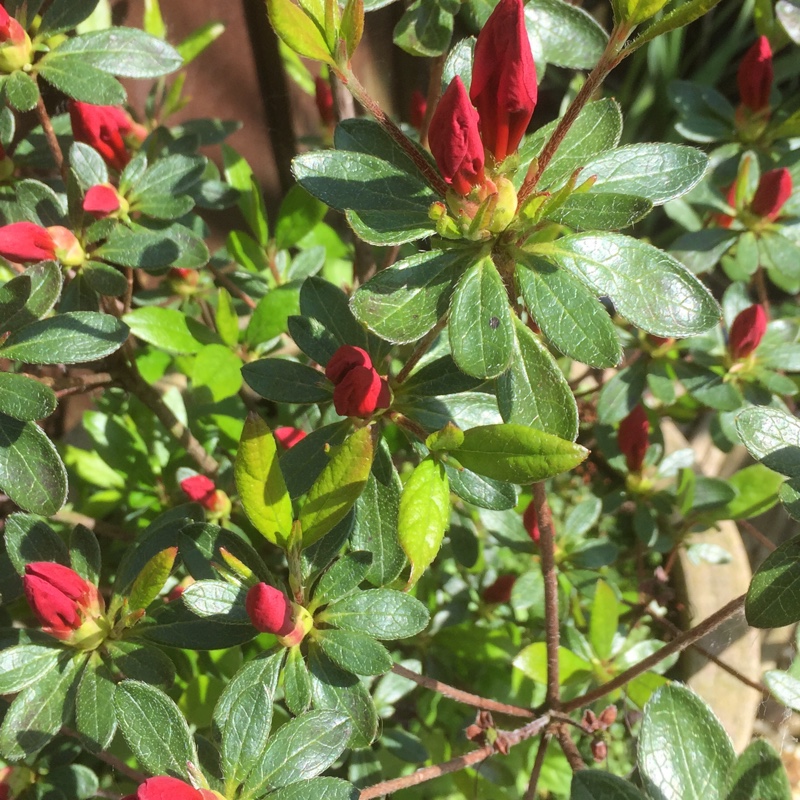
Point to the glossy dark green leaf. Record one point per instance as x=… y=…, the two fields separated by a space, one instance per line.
x=154 y=729
x=303 y=463
x=39 y=287
x=22 y=92
x=684 y=752
x=284 y=381
x=620 y=395
x=403 y=303
x=81 y=81
x=328 y=304
x=481 y=328
x=311 y=336
x=759 y=773
x=646 y=285
x=772 y=436
x=246 y=730
x=773 y=599
x=94 y=710
x=318 y=789
x=534 y=391
x=217 y=600
x=154 y=248
x=708 y=387
x=564 y=34
x=296 y=682
x=381 y=613
x=84 y=551
x=29 y=539
x=176 y=626
x=66 y=339
x=438 y=377
x=600 y=211
x=343 y=578
x=354 y=652
x=141 y=662
x=31 y=471
x=425 y=29
x=62 y=15
x=595 y=784
x=298 y=215
x=24 y=398
x=105 y=279
x=22 y=665
x=480 y=491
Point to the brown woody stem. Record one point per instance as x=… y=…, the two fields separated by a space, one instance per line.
x=51 y=139
x=422 y=347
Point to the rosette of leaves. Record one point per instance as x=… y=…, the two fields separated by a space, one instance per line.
x=57 y=685
x=252 y=761
x=31 y=471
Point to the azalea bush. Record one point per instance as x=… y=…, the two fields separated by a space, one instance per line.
x=383 y=496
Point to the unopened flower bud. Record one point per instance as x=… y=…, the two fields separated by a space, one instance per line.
x=201 y=489
x=271 y=611
x=632 y=438
x=25 y=241
x=774 y=189
x=608 y=716
x=530 y=519
x=419 y=105
x=323 y=96
x=747 y=331
x=455 y=139
x=108 y=129
x=599 y=750
x=755 y=76
x=344 y=359
x=166 y=788
x=68 y=249
x=16 y=49
x=500 y=590
x=503 y=85
x=287 y=437
x=103 y=201
x=360 y=393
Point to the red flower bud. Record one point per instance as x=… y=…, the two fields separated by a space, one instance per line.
x=58 y=596
x=101 y=200
x=774 y=189
x=104 y=129
x=360 y=393
x=500 y=590
x=418 y=107
x=599 y=750
x=344 y=359
x=504 y=86
x=269 y=610
x=10 y=30
x=24 y=241
x=726 y=220
x=163 y=788
x=66 y=245
x=747 y=331
x=287 y=437
x=201 y=489
x=632 y=438
x=16 y=50
x=755 y=75
x=323 y=97
x=455 y=139
x=530 y=519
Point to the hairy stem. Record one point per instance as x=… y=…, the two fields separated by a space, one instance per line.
x=422 y=347
x=50 y=138
x=530 y=792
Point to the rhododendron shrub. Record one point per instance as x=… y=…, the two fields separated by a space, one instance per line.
x=398 y=480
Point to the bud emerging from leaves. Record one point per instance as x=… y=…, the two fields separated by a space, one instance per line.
x=530 y=519
x=287 y=437
x=15 y=45
x=24 y=241
x=747 y=331
x=105 y=128
x=164 y=788
x=323 y=96
x=68 y=249
x=755 y=75
x=271 y=611
x=774 y=189
x=455 y=139
x=103 y=200
x=344 y=359
x=201 y=489
x=359 y=391
x=500 y=590
x=503 y=85
x=632 y=438
x=66 y=605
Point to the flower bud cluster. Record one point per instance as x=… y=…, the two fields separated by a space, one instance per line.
x=359 y=390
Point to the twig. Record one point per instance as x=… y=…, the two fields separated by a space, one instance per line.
x=547 y=548
x=569 y=748
x=677 y=645
x=128 y=299
x=114 y=762
x=541 y=753
x=222 y=278
x=756 y=534
x=50 y=138
x=761 y=289
x=96 y=525
x=462 y=697
x=422 y=347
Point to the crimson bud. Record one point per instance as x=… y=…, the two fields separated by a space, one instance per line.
x=105 y=128
x=419 y=105
x=599 y=750
x=164 y=788
x=530 y=519
x=269 y=610
x=747 y=331
x=66 y=245
x=755 y=75
x=201 y=489
x=360 y=393
x=323 y=96
x=500 y=590
x=632 y=438
x=455 y=139
x=15 y=44
x=102 y=201
x=504 y=86
x=24 y=241
x=344 y=359
x=774 y=189
x=287 y=437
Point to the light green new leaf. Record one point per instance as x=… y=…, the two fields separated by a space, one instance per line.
x=298 y=30
x=604 y=620
x=168 y=329
x=151 y=579
x=260 y=482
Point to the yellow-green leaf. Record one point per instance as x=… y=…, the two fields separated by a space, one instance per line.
x=260 y=482
x=298 y=30
x=151 y=579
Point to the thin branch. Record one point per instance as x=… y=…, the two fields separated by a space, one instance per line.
x=118 y=764
x=96 y=525
x=547 y=550
x=422 y=347
x=569 y=748
x=50 y=138
x=462 y=697
x=128 y=299
x=677 y=645
x=761 y=289
x=222 y=278
x=756 y=534
x=530 y=792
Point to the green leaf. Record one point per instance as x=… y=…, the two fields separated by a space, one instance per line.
x=284 y=381
x=81 y=81
x=29 y=539
x=354 y=652
x=532 y=662
x=534 y=391
x=167 y=177
x=684 y=752
x=757 y=491
x=218 y=600
x=600 y=211
x=87 y=165
x=95 y=718
x=563 y=34
x=251 y=202
x=385 y=197
x=328 y=304
x=296 y=682
x=168 y=329
x=31 y=471
x=604 y=620
x=199 y=40
x=38 y=712
x=480 y=491
x=759 y=773
x=23 y=665
x=246 y=731
x=63 y=15
x=301 y=749
x=773 y=436
x=38 y=287
x=425 y=29
x=216 y=374
x=647 y=286
x=343 y=692
x=154 y=729
x=271 y=315
x=104 y=279
x=773 y=599
x=298 y=30
x=481 y=329
x=709 y=387
x=381 y=613
x=318 y=343
x=595 y=784
x=70 y=338
x=676 y=18
x=424 y=515
x=516 y=453
x=318 y=788
x=22 y=92
x=620 y=395
x=343 y=578
x=226 y=319
x=141 y=662
x=784 y=687
x=299 y=214
x=337 y=488
x=154 y=247
x=127 y=52
x=24 y=398
x=403 y=303
x=151 y=579
x=260 y=482
x=658 y=172
x=84 y=553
